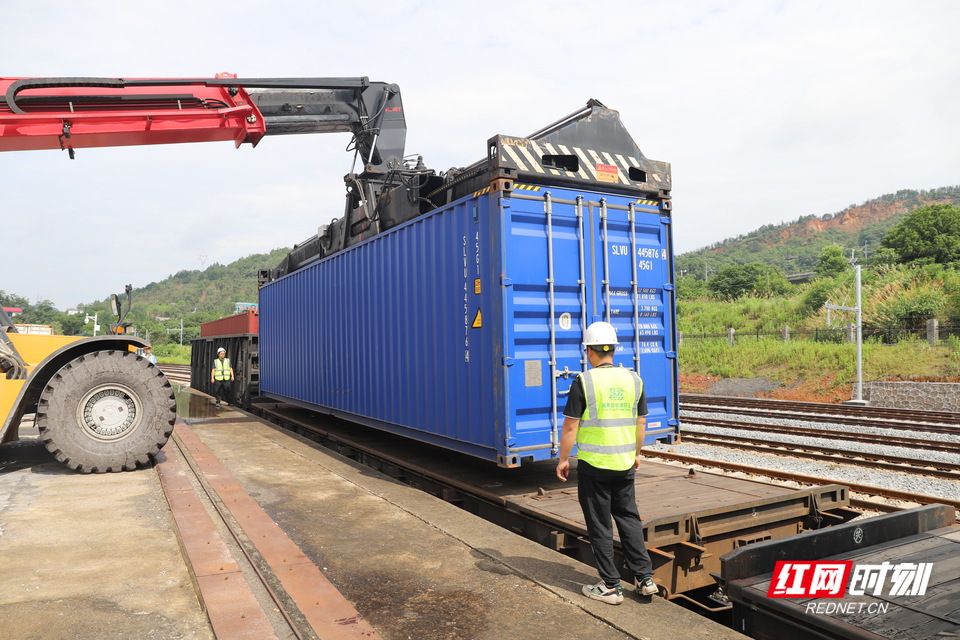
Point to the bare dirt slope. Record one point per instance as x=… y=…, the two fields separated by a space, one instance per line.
x=801 y=390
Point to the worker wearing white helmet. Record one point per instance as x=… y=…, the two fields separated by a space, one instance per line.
x=221 y=377
x=604 y=417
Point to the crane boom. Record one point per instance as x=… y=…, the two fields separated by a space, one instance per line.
x=74 y=113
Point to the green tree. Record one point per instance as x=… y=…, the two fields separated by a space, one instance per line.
x=819 y=292
x=689 y=288
x=13 y=300
x=72 y=325
x=754 y=278
x=884 y=256
x=831 y=262
x=930 y=234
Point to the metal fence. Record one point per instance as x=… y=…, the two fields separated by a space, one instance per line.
x=933 y=333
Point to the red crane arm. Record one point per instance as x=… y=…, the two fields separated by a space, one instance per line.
x=75 y=113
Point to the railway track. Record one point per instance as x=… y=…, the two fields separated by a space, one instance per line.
x=832 y=434
x=764 y=472
x=176 y=373
x=829 y=454
x=252 y=578
x=816 y=411
x=839 y=453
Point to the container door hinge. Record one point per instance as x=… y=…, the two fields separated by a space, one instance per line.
x=666 y=220
x=507 y=361
x=505 y=281
x=671 y=355
x=673 y=422
x=669 y=286
x=504 y=202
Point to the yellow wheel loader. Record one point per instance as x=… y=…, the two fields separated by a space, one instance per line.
x=99 y=406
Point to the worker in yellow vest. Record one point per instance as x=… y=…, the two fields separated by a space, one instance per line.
x=605 y=418
x=221 y=376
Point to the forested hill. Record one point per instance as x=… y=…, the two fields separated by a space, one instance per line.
x=192 y=297
x=795 y=246
x=211 y=292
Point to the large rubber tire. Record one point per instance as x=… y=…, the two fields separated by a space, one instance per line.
x=106 y=411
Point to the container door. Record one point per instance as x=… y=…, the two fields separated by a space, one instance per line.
x=572 y=259
x=630 y=286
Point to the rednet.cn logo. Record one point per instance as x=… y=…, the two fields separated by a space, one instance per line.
x=834 y=579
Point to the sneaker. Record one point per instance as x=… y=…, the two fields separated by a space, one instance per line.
x=646 y=586
x=603 y=593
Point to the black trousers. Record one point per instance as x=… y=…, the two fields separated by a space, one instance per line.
x=223 y=389
x=603 y=497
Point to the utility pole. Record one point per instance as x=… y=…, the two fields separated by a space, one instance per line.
x=858 y=387
x=858 y=395
x=180 y=330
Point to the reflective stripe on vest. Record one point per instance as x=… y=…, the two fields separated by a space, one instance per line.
x=221 y=369
x=607 y=438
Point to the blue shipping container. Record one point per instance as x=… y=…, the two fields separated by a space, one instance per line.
x=463 y=327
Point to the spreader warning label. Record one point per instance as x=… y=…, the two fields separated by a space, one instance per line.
x=607 y=173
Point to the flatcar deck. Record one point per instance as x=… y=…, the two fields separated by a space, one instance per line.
x=690 y=518
x=902 y=583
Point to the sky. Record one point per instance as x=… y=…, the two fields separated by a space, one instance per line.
x=766 y=110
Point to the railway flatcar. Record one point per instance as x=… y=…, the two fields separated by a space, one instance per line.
x=239 y=335
x=893 y=576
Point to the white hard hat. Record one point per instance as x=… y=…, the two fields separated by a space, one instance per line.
x=221 y=349
x=600 y=333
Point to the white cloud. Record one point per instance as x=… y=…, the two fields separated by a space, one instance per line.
x=766 y=110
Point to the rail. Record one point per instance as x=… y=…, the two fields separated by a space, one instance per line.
x=252 y=568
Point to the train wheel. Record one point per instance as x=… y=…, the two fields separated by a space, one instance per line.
x=106 y=411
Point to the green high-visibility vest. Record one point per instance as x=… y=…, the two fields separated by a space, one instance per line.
x=607 y=438
x=221 y=369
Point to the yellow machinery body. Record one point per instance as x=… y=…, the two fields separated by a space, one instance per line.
x=44 y=356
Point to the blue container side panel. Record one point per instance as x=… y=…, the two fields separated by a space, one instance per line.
x=398 y=332
x=445 y=329
x=594 y=267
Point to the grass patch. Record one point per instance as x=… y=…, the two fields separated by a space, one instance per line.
x=172 y=353
x=834 y=364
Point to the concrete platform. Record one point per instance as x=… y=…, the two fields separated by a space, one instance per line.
x=89 y=556
x=98 y=556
